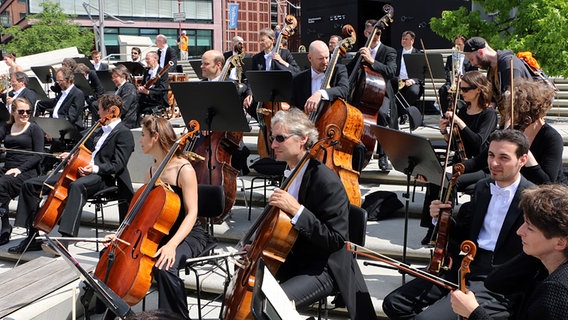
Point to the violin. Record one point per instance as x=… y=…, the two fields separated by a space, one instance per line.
x=126 y=265
x=469 y=248
x=50 y=213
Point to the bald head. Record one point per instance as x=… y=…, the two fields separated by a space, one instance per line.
x=212 y=63
x=318 y=56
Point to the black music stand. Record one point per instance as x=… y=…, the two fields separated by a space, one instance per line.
x=112 y=301
x=412 y=155
x=81 y=82
x=106 y=81
x=301 y=59
x=58 y=128
x=215 y=105
x=417 y=68
x=135 y=68
x=85 y=61
x=4 y=113
x=35 y=86
x=247 y=61
x=196 y=65
x=45 y=74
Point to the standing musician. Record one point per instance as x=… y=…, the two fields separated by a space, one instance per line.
x=381 y=58
x=18 y=134
x=155 y=98
x=19 y=81
x=128 y=94
x=112 y=146
x=490 y=220
x=97 y=63
x=306 y=84
x=267 y=60
x=318 y=203
x=186 y=238
x=165 y=53
x=408 y=88
x=541 y=272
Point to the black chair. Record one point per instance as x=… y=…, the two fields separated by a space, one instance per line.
x=271 y=172
x=357 y=235
x=100 y=200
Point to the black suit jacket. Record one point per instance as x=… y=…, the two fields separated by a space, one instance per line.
x=71 y=108
x=385 y=62
x=171 y=55
x=102 y=67
x=96 y=84
x=302 y=86
x=129 y=95
x=259 y=63
x=157 y=95
x=28 y=94
x=323 y=228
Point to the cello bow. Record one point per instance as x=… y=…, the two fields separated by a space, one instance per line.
x=431 y=76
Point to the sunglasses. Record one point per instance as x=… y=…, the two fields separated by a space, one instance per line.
x=466 y=89
x=28 y=111
x=280 y=138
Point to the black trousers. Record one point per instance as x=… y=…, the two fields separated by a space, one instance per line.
x=10 y=186
x=305 y=289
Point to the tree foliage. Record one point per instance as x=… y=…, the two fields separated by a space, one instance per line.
x=539 y=26
x=51 y=29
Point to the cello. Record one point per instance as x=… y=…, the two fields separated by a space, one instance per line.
x=368 y=88
x=50 y=213
x=126 y=265
x=274 y=236
x=340 y=116
x=217 y=148
x=265 y=110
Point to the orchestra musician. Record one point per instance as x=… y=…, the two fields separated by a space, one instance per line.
x=18 y=134
x=318 y=203
x=267 y=60
x=490 y=220
x=96 y=86
x=165 y=52
x=186 y=238
x=128 y=94
x=136 y=55
x=19 y=81
x=10 y=59
x=333 y=42
x=409 y=88
x=155 y=98
x=111 y=147
x=541 y=271
x=97 y=63
x=381 y=58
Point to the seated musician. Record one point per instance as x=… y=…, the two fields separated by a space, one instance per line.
x=382 y=59
x=111 y=148
x=128 y=94
x=490 y=220
x=19 y=81
x=541 y=272
x=409 y=88
x=186 y=238
x=267 y=60
x=155 y=98
x=18 y=134
x=307 y=92
x=475 y=122
x=318 y=203
x=67 y=104
x=96 y=61
x=96 y=86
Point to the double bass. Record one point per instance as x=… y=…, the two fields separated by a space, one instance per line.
x=126 y=265
x=217 y=148
x=265 y=110
x=339 y=116
x=368 y=88
x=50 y=213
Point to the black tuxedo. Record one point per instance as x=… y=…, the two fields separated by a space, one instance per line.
x=112 y=160
x=302 y=86
x=71 y=108
x=102 y=67
x=322 y=229
x=129 y=95
x=27 y=94
x=407 y=301
x=157 y=98
x=259 y=63
x=171 y=55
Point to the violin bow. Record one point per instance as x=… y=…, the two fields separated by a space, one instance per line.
x=511 y=64
x=431 y=76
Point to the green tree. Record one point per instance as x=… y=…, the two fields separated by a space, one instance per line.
x=539 y=26
x=51 y=29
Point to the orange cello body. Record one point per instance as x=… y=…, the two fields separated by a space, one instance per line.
x=130 y=274
x=223 y=145
x=51 y=211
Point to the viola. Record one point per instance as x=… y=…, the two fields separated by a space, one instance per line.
x=50 y=213
x=469 y=248
x=126 y=265
x=274 y=236
x=368 y=88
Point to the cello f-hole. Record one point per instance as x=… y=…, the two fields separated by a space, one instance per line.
x=136 y=243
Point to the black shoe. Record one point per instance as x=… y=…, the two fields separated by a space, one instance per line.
x=403 y=119
x=384 y=164
x=5 y=237
x=35 y=245
x=427 y=237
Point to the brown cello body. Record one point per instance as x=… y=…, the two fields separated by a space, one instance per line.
x=130 y=276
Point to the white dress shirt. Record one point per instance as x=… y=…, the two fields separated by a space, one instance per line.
x=62 y=98
x=106 y=132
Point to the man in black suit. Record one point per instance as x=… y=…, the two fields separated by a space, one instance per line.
x=307 y=92
x=267 y=60
x=491 y=221
x=170 y=53
x=409 y=88
x=319 y=209
x=153 y=99
x=128 y=94
x=19 y=81
x=97 y=63
x=96 y=89
x=238 y=48
x=381 y=58
x=67 y=104
x=112 y=146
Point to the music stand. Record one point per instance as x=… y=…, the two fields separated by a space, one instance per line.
x=85 y=61
x=196 y=65
x=4 y=113
x=45 y=74
x=56 y=127
x=417 y=68
x=81 y=82
x=214 y=104
x=301 y=59
x=106 y=81
x=412 y=155
x=93 y=285
x=35 y=86
x=135 y=68
x=247 y=61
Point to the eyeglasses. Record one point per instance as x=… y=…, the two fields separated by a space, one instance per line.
x=134 y=53
x=281 y=137
x=466 y=89
x=27 y=111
